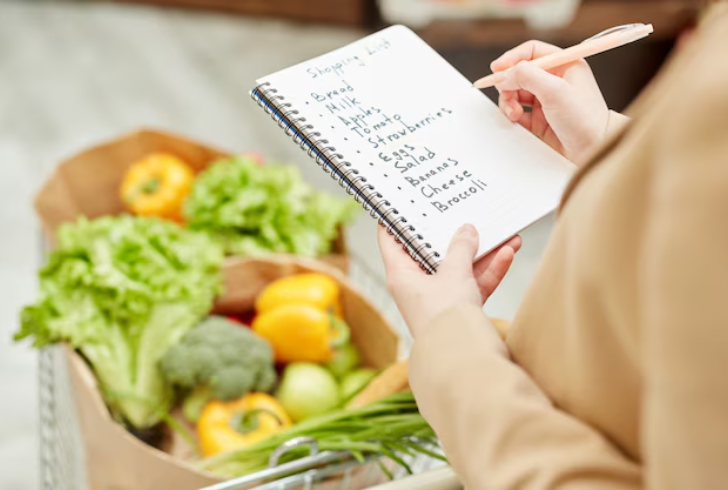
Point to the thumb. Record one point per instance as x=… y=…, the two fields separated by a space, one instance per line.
x=548 y=88
x=462 y=250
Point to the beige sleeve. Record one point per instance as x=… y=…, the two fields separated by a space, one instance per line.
x=685 y=283
x=616 y=122
x=499 y=430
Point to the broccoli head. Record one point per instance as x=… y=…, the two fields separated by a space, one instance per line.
x=219 y=359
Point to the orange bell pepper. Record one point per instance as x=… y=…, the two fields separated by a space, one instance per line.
x=223 y=426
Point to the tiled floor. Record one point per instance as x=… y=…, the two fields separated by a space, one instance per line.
x=72 y=74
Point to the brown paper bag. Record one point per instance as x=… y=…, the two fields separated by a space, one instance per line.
x=88 y=184
x=116 y=460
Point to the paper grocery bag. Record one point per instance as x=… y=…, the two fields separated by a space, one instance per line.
x=245 y=278
x=88 y=184
x=116 y=460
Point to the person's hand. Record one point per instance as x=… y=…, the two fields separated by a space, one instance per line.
x=568 y=109
x=421 y=297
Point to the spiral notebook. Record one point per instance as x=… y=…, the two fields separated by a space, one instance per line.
x=410 y=138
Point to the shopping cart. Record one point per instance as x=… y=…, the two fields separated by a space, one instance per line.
x=306 y=472
x=62 y=458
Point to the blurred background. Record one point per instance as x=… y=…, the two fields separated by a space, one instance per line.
x=75 y=73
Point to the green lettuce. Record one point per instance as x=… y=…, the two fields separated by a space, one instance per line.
x=122 y=290
x=256 y=210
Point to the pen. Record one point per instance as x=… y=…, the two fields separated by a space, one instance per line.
x=604 y=41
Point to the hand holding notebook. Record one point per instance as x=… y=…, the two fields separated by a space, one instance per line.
x=415 y=143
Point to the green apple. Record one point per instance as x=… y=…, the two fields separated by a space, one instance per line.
x=355 y=381
x=307 y=389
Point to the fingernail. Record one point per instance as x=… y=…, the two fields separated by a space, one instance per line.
x=468 y=230
x=509 y=111
x=515 y=107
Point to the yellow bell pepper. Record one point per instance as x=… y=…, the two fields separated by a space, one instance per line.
x=318 y=290
x=157 y=186
x=223 y=426
x=301 y=332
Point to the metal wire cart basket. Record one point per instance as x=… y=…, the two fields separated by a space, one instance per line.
x=63 y=459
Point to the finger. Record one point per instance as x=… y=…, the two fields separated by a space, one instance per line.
x=549 y=89
x=526 y=98
x=491 y=278
x=525 y=52
x=461 y=252
x=509 y=105
x=526 y=120
x=521 y=96
x=508 y=95
x=483 y=263
x=515 y=243
x=513 y=109
x=539 y=124
x=396 y=260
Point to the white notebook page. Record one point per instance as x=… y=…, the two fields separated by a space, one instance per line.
x=435 y=147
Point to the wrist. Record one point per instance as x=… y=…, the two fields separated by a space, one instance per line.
x=461 y=321
x=592 y=136
x=615 y=123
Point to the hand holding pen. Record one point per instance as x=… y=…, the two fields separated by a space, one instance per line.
x=567 y=109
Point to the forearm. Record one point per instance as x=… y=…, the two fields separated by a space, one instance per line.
x=499 y=430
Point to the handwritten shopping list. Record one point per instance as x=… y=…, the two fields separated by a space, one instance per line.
x=411 y=127
x=439 y=180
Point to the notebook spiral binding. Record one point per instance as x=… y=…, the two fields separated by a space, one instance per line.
x=355 y=184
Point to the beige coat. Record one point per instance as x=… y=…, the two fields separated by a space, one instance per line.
x=618 y=370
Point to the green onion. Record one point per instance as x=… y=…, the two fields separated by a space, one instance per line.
x=392 y=427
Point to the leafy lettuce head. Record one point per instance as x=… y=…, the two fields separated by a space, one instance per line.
x=122 y=290
x=254 y=210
